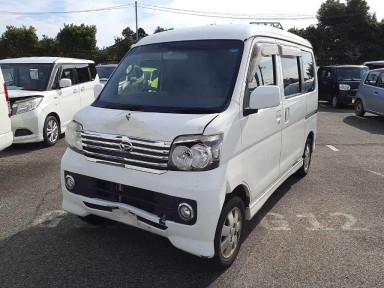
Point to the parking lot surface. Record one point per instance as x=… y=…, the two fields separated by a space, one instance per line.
x=326 y=230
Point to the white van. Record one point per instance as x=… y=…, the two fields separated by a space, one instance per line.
x=190 y=157
x=6 y=136
x=45 y=93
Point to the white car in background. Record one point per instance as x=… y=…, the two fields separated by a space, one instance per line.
x=45 y=93
x=5 y=116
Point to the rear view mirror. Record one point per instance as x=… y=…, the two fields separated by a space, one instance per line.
x=264 y=97
x=97 y=89
x=64 y=83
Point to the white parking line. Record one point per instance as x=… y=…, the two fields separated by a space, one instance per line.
x=332 y=148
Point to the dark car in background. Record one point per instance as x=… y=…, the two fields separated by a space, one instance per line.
x=105 y=71
x=338 y=84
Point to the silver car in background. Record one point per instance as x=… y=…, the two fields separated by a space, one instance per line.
x=370 y=96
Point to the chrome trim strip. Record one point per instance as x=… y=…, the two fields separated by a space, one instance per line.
x=138 y=168
x=127 y=159
x=128 y=153
x=163 y=151
x=131 y=139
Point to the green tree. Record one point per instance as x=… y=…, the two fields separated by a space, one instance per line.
x=48 y=47
x=347 y=33
x=77 y=41
x=161 y=29
x=18 y=42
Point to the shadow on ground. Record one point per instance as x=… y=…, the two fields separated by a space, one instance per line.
x=371 y=124
x=19 y=149
x=78 y=254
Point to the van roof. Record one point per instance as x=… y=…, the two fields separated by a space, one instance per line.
x=44 y=60
x=228 y=31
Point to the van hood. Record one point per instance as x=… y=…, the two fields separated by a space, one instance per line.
x=147 y=125
x=23 y=93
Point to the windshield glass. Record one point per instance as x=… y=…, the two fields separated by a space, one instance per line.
x=33 y=77
x=104 y=72
x=351 y=74
x=175 y=77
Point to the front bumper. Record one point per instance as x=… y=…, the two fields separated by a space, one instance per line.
x=347 y=97
x=6 y=140
x=207 y=189
x=32 y=121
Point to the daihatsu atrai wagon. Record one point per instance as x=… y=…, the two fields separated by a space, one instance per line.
x=233 y=114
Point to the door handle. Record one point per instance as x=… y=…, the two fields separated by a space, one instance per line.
x=74 y=90
x=287 y=115
x=375 y=93
x=278 y=116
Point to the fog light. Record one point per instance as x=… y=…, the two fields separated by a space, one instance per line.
x=69 y=182
x=186 y=211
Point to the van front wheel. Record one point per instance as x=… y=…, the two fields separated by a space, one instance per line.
x=359 y=108
x=51 y=131
x=228 y=232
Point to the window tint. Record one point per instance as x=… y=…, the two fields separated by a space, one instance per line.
x=68 y=74
x=380 y=83
x=291 y=77
x=93 y=71
x=308 y=71
x=83 y=74
x=372 y=78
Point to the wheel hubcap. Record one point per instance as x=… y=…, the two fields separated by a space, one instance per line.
x=307 y=157
x=230 y=233
x=52 y=130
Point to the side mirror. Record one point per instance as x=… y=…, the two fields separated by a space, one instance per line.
x=64 y=83
x=264 y=97
x=97 y=89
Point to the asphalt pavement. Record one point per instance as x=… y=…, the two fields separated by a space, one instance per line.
x=326 y=230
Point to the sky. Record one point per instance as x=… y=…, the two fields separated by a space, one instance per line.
x=110 y=23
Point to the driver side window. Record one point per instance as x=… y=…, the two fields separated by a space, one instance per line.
x=261 y=73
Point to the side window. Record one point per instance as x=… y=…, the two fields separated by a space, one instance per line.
x=93 y=71
x=291 y=78
x=83 y=73
x=262 y=73
x=308 y=66
x=380 y=83
x=372 y=78
x=67 y=73
x=321 y=73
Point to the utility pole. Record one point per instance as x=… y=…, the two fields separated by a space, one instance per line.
x=137 y=34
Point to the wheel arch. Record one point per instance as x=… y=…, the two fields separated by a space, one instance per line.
x=242 y=192
x=54 y=114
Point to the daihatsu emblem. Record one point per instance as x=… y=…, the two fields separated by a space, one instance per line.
x=126 y=146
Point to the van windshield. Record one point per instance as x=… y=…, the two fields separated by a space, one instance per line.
x=351 y=74
x=175 y=77
x=32 y=77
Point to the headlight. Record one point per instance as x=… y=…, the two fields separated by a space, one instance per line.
x=26 y=105
x=344 y=87
x=196 y=152
x=73 y=135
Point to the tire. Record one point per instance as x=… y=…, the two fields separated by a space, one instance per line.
x=335 y=102
x=232 y=235
x=93 y=219
x=359 y=108
x=51 y=131
x=307 y=158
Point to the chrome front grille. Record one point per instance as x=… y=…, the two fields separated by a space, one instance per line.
x=129 y=152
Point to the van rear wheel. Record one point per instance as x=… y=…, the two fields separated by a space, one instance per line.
x=228 y=232
x=307 y=158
